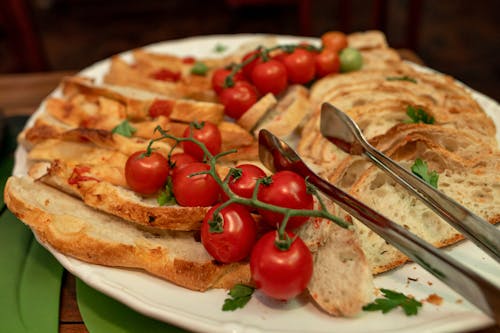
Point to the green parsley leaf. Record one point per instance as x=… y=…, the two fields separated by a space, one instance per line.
x=240 y=294
x=401 y=78
x=418 y=115
x=124 y=129
x=199 y=68
x=393 y=300
x=421 y=169
x=166 y=196
x=219 y=48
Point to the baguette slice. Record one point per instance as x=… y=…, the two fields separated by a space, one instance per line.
x=474 y=186
x=100 y=193
x=137 y=102
x=252 y=116
x=342 y=281
x=287 y=115
x=77 y=230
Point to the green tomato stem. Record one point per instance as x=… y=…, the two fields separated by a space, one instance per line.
x=253 y=201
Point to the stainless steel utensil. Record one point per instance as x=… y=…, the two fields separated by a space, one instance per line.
x=340 y=129
x=277 y=155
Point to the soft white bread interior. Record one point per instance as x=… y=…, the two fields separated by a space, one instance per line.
x=474 y=186
x=342 y=281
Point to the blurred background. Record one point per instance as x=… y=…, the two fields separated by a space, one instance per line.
x=460 y=38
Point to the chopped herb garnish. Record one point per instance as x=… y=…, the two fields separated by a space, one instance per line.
x=418 y=115
x=199 y=68
x=401 y=78
x=219 y=48
x=166 y=196
x=421 y=169
x=240 y=294
x=125 y=129
x=393 y=300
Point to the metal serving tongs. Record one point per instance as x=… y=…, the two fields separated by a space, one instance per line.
x=341 y=130
x=277 y=155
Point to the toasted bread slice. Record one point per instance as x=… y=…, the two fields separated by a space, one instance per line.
x=252 y=116
x=73 y=228
x=286 y=116
x=123 y=74
x=365 y=40
x=137 y=102
x=98 y=189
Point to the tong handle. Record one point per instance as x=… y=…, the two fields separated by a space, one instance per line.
x=479 y=231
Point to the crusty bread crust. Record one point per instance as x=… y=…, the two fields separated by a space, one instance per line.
x=121 y=202
x=63 y=222
x=252 y=116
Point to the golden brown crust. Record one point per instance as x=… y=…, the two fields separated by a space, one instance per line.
x=158 y=261
x=110 y=198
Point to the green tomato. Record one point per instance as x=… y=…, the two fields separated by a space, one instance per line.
x=350 y=60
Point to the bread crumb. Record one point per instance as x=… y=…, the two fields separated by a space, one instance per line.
x=459 y=301
x=46 y=203
x=434 y=299
x=429 y=283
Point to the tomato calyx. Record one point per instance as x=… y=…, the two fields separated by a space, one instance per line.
x=283 y=240
x=216 y=224
x=234 y=174
x=266 y=181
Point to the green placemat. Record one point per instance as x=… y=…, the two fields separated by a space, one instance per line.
x=30 y=282
x=102 y=314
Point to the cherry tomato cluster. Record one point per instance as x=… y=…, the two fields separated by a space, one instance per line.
x=229 y=233
x=271 y=70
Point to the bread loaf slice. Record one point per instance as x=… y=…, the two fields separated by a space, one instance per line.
x=100 y=191
x=123 y=74
x=252 y=116
x=75 y=229
x=137 y=102
x=286 y=116
x=342 y=281
x=474 y=186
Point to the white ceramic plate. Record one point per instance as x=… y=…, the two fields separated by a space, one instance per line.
x=202 y=311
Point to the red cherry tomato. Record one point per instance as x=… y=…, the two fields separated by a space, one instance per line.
x=327 y=62
x=287 y=189
x=281 y=274
x=245 y=183
x=270 y=76
x=179 y=160
x=280 y=56
x=238 y=99
x=192 y=191
x=239 y=233
x=208 y=134
x=334 y=40
x=300 y=66
x=161 y=107
x=188 y=60
x=146 y=174
x=165 y=74
x=248 y=68
x=219 y=79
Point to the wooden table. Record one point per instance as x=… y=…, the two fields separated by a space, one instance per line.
x=20 y=94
